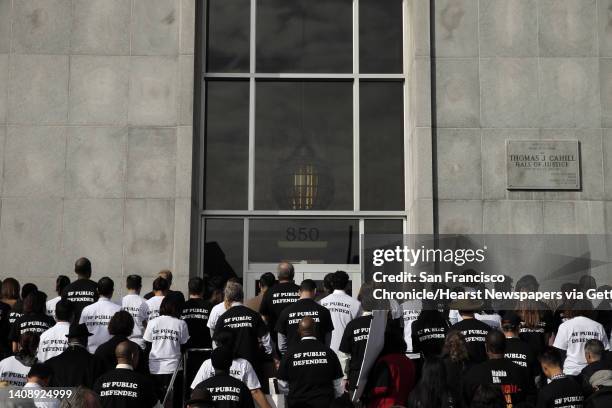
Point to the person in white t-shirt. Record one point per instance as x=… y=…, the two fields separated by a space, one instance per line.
x=573 y=335
x=216 y=312
x=411 y=309
x=60 y=283
x=137 y=307
x=342 y=307
x=54 y=341
x=97 y=315
x=14 y=369
x=167 y=333
x=240 y=369
x=160 y=290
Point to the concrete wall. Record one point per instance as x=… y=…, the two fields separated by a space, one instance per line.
x=516 y=69
x=95 y=137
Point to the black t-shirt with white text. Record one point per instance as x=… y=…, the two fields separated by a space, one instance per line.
x=228 y=392
x=81 y=292
x=536 y=336
x=195 y=313
x=290 y=317
x=520 y=353
x=30 y=323
x=310 y=368
x=248 y=328
x=428 y=333
x=561 y=392
x=354 y=342
x=514 y=381
x=124 y=388
x=276 y=299
x=475 y=332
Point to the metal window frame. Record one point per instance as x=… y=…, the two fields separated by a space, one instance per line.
x=252 y=76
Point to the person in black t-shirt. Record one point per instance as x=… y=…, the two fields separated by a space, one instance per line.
x=474 y=331
x=120 y=327
x=593 y=352
x=195 y=313
x=279 y=296
x=83 y=291
x=514 y=381
x=562 y=391
x=248 y=327
x=226 y=391
x=428 y=332
x=200 y=398
x=75 y=366
x=601 y=383
x=517 y=350
x=289 y=319
x=310 y=371
x=123 y=387
x=34 y=320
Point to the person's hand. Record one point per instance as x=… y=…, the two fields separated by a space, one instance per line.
x=276 y=363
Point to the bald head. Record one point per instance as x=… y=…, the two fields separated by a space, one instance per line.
x=286 y=272
x=126 y=352
x=307 y=327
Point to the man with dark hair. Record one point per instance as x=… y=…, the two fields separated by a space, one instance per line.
x=75 y=366
x=248 y=327
x=167 y=275
x=514 y=381
x=38 y=378
x=195 y=313
x=343 y=308
x=60 y=284
x=83 y=291
x=33 y=320
x=53 y=341
x=279 y=296
x=310 y=372
x=594 y=354
x=265 y=282
x=122 y=387
x=355 y=337
x=160 y=290
x=240 y=369
x=474 y=331
x=97 y=315
x=518 y=351
x=200 y=398
x=289 y=319
x=226 y=391
x=137 y=307
x=121 y=326
x=561 y=390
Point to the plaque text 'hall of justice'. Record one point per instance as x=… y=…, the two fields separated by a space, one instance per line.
x=543 y=164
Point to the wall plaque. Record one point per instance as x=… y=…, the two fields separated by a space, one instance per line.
x=543 y=164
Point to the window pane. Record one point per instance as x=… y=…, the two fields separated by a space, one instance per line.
x=227 y=145
x=304 y=241
x=380 y=36
x=223 y=248
x=304 y=36
x=304 y=146
x=381 y=146
x=381 y=234
x=228 y=35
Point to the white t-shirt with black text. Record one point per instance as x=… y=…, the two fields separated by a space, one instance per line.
x=139 y=309
x=215 y=313
x=53 y=341
x=411 y=310
x=96 y=317
x=572 y=336
x=154 y=304
x=166 y=335
x=343 y=308
x=241 y=370
x=13 y=372
x=51 y=306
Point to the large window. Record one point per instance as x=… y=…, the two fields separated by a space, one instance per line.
x=303 y=134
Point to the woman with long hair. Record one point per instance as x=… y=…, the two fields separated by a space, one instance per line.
x=456 y=361
x=432 y=391
x=14 y=369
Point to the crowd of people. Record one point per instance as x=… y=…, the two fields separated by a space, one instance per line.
x=292 y=340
